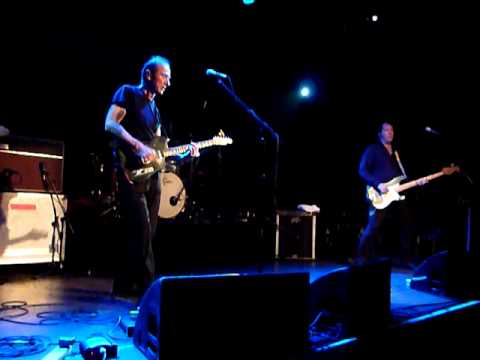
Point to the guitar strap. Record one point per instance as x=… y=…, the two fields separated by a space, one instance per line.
x=156 y=115
x=400 y=164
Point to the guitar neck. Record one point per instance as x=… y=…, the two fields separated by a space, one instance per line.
x=414 y=183
x=182 y=148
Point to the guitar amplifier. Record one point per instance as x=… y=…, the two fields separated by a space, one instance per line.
x=20 y=165
x=295 y=235
x=26 y=230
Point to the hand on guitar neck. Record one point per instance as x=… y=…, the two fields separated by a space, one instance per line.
x=148 y=154
x=421 y=181
x=194 y=150
x=383 y=187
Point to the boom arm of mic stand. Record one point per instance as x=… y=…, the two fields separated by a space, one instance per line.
x=259 y=121
x=263 y=125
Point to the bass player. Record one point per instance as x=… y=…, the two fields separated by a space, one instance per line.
x=380 y=163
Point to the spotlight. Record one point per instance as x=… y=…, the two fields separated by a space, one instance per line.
x=305 y=91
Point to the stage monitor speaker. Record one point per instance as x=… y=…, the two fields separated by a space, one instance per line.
x=452 y=273
x=357 y=297
x=229 y=316
x=26 y=228
x=431 y=274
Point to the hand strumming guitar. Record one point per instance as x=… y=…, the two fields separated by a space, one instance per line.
x=145 y=152
x=383 y=188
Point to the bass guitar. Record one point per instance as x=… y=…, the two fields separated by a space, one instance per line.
x=381 y=201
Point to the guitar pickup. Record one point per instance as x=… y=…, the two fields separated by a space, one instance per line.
x=143 y=171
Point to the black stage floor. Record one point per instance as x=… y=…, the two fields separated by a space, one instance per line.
x=38 y=310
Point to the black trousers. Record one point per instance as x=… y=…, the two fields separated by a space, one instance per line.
x=138 y=205
x=389 y=232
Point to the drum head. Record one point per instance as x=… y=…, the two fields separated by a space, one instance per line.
x=172 y=199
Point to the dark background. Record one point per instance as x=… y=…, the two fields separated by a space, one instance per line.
x=415 y=67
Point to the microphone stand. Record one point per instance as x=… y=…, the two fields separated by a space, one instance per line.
x=447 y=142
x=264 y=126
x=49 y=187
x=190 y=200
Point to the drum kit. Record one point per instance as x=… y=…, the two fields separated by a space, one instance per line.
x=173 y=195
x=4 y=131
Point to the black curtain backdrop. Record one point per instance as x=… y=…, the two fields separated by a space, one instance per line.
x=415 y=66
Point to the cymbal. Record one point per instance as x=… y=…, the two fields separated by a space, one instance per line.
x=4 y=131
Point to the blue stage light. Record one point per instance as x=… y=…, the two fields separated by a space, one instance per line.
x=305 y=91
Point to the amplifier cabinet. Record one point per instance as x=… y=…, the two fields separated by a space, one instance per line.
x=20 y=171
x=26 y=229
x=295 y=235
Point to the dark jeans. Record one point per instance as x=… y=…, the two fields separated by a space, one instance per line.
x=138 y=207
x=389 y=233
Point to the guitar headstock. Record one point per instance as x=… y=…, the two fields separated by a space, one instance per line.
x=221 y=139
x=450 y=169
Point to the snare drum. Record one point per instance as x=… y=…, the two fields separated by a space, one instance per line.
x=172 y=199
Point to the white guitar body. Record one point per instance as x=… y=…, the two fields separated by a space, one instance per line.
x=381 y=201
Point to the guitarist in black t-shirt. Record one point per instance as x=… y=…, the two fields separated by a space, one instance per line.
x=134 y=121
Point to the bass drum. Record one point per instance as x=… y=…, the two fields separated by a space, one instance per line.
x=172 y=199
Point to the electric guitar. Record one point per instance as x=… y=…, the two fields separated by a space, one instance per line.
x=381 y=201
x=138 y=170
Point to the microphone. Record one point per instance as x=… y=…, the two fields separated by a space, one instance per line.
x=174 y=200
x=43 y=171
x=431 y=131
x=211 y=72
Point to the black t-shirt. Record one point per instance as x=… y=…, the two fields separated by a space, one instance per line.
x=142 y=118
x=378 y=166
